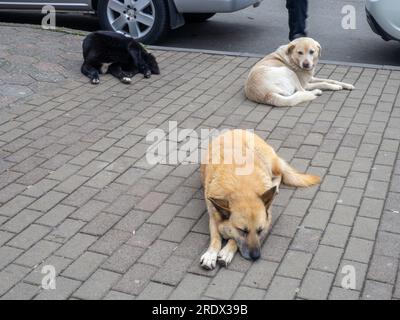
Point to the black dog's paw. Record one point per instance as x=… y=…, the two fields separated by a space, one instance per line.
x=147 y=74
x=126 y=80
x=95 y=81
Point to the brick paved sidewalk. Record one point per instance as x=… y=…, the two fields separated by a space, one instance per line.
x=77 y=193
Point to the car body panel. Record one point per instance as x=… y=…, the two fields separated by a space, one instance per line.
x=213 y=6
x=384 y=18
x=80 y=5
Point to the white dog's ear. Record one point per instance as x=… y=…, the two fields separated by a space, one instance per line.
x=290 y=48
x=319 y=49
x=222 y=206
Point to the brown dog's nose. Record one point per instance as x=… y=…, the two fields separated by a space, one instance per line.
x=255 y=254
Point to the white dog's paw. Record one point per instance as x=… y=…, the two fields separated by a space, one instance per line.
x=225 y=256
x=336 y=87
x=126 y=80
x=348 y=86
x=209 y=259
x=317 y=92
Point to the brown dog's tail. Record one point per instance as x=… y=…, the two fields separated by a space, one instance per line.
x=292 y=177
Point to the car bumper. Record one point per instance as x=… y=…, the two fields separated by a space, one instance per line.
x=383 y=17
x=214 y=6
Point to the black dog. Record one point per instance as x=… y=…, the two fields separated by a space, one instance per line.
x=123 y=57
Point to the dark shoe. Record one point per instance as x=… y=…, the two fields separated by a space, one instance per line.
x=296 y=36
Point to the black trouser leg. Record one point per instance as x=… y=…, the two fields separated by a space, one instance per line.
x=91 y=72
x=297 y=18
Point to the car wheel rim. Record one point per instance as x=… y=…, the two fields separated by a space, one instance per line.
x=134 y=17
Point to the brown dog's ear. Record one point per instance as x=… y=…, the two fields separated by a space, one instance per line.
x=268 y=196
x=222 y=206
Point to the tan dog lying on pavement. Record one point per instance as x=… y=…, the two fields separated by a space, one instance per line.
x=239 y=194
x=285 y=78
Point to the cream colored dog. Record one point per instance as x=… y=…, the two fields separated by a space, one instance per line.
x=239 y=193
x=285 y=78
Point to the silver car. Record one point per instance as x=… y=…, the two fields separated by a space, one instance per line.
x=384 y=18
x=145 y=20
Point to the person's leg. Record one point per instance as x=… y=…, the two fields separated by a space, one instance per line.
x=297 y=10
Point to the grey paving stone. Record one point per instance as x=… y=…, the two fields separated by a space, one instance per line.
x=155 y=291
x=48 y=201
x=173 y=270
x=365 y=228
x=123 y=258
x=344 y=215
x=108 y=243
x=151 y=202
x=371 y=208
x=101 y=224
x=164 y=214
x=224 y=284
x=283 y=288
x=377 y=291
x=29 y=236
x=136 y=279
x=383 y=269
x=260 y=274
x=56 y=215
x=177 y=229
x=10 y=276
x=84 y=266
x=358 y=250
x=14 y=206
x=336 y=235
x=192 y=246
x=316 y=285
x=316 y=219
x=67 y=229
x=158 y=252
x=21 y=291
x=274 y=248
x=294 y=264
x=297 y=207
x=115 y=295
x=145 y=235
x=387 y=244
x=286 y=226
x=327 y=258
x=390 y=222
x=7 y=255
x=37 y=253
x=306 y=240
x=76 y=245
x=190 y=288
x=21 y=221
x=343 y=294
x=246 y=293
x=97 y=285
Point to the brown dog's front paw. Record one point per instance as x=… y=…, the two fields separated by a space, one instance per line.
x=225 y=256
x=209 y=259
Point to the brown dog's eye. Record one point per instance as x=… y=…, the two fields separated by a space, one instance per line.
x=300 y=52
x=259 y=231
x=244 y=231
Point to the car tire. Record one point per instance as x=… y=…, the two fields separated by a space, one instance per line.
x=197 y=17
x=147 y=25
